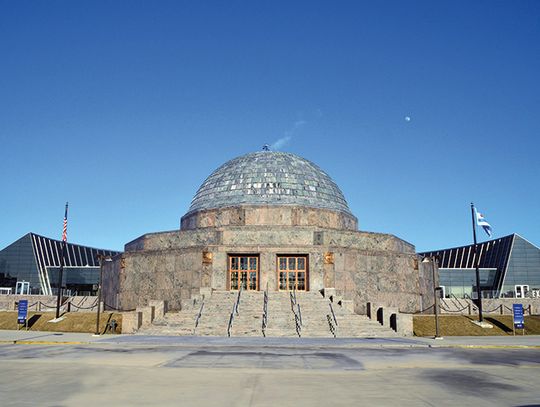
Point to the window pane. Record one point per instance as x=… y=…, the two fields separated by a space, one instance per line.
x=282 y=263
x=301 y=281
x=301 y=263
x=292 y=262
x=243 y=263
x=253 y=263
x=292 y=280
x=234 y=263
x=253 y=280
x=243 y=280
x=282 y=281
x=234 y=280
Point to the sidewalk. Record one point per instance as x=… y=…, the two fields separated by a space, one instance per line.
x=52 y=338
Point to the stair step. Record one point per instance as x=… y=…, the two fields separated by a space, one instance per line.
x=280 y=318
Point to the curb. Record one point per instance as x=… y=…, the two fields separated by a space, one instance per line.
x=487 y=346
x=26 y=342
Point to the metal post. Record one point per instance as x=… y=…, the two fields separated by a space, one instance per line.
x=436 y=296
x=477 y=264
x=100 y=257
x=60 y=274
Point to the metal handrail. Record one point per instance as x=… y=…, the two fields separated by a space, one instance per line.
x=234 y=311
x=199 y=315
x=297 y=315
x=238 y=299
x=265 y=311
x=333 y=315
x=330 y=325
x=231 y=318
x=297 y=325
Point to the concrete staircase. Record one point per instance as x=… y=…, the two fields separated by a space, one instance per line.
x=314 y=314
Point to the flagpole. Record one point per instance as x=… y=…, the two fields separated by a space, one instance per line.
x=476 y=265
x=62 y=255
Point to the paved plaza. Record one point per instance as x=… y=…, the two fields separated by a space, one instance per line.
x=47 y=369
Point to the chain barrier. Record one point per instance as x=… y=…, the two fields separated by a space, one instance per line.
x=48 y=306
x=493 y=310
x=418 y=312
x=455 y=311
x=80 y=307
x=111 y=308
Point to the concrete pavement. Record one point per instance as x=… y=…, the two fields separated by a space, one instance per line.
x=49 y=369
x=32 y=337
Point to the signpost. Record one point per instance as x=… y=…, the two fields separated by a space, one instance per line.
x=519 y=320
x=22 y=313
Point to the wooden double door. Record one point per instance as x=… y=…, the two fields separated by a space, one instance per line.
x=292 y=272
x=244 y=272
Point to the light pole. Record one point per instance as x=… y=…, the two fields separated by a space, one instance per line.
x=436 y=288
x=102 y=258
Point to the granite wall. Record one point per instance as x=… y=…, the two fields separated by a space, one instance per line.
x=365 y=267
x=286 y=215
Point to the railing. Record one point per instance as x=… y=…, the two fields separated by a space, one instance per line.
x=333 y=315
x=238 y=299
x=265 y=311
x=331 y=325
x=458 y=301
x=199 y=315
x=234 y=311
x=295 y=308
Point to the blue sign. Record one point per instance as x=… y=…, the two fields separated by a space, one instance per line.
x=23 y=311
x=519 y=320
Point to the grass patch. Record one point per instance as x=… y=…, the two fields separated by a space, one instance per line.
x=461 y=325
x=73 y=322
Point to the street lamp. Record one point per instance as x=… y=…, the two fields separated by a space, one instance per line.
x=102 y=258
x=436 y=289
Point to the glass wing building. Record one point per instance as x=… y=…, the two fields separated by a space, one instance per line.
x=509 y=267
x=35 y=261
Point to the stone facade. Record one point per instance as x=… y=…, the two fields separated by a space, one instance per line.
x=170 y=266
x=268 y=205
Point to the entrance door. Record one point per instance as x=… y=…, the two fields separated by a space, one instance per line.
x=292 y=272
x=243 y=272
x=521 y=291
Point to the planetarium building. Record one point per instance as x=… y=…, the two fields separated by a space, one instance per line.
x=267 y=221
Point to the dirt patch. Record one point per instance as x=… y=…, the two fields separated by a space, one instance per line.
x=461 y=325
x=73 y=322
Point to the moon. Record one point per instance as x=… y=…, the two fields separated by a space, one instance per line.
x=407 y=118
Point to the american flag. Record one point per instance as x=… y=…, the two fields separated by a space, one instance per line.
x=64 y=230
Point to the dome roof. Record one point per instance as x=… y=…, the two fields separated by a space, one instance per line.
x=269 y=178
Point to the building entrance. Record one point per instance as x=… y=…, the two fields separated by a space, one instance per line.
x=243 y=272
x=293 y=272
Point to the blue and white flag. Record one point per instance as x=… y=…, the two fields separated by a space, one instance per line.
x=481 y=221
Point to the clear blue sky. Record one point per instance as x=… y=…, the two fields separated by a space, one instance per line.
x=124 y=108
